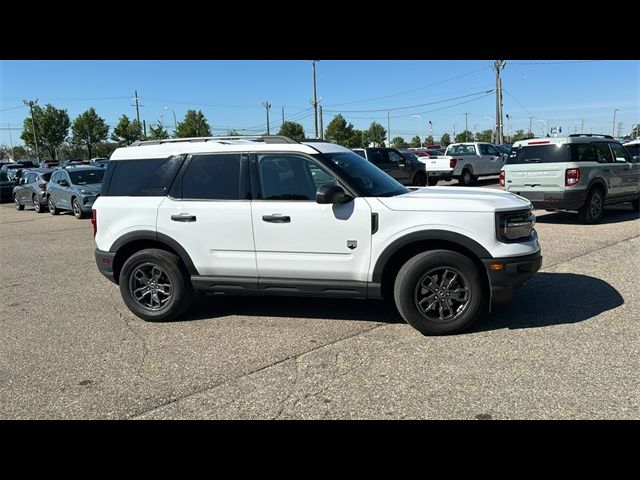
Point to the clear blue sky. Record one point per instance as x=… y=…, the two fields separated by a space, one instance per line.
x=230 y=93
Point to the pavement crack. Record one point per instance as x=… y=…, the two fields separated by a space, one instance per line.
x=145 y=349
x=291 y=391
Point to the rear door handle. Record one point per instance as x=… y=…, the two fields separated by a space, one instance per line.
x=276 y=218
x=183 y=217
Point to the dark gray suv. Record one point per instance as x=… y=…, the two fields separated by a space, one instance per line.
x=405 y=168
x=74 y=189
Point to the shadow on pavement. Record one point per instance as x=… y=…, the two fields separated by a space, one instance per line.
x=614 y=214
x=552 y=299
x=545 y=300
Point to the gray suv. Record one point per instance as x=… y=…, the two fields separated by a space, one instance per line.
x=579 y=172
x=74 y=189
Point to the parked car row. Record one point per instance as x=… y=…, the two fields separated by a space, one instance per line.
x=73 y=189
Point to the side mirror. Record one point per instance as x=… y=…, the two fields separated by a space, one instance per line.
x=63 y=183
x=635 y=159
x=332 y=194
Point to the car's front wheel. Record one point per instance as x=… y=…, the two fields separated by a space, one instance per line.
x=52 y=208
x=439 y=292
x=37 y=206
x=155 y=285
x=19 y=206
x=77 y=209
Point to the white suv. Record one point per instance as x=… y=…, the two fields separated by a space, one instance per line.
x=269 y=215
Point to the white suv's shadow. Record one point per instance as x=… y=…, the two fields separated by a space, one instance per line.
x=612 y=214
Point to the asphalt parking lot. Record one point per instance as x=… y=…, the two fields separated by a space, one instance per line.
x=566 y=347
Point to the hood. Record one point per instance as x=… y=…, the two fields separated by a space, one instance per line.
x=91 y=188
x=458 y=199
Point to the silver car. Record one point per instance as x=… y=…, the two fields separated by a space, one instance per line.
x=579 y=172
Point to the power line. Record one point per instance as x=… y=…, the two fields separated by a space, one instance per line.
x=409 y=91
x=409 y=106
x=11 y=108
x=553 y=63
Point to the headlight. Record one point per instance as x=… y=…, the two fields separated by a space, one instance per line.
x=514 y=226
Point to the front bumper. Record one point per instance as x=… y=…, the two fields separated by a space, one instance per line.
x=86 y=203
x=515 y=271
x=567 y=200
x=104 y=261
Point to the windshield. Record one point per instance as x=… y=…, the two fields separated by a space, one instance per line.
x=46 y=176
x=372 y=181
x=461 y=150
x=85 y=177
x=552 y=153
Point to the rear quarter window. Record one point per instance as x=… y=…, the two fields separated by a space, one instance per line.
x=140 y=178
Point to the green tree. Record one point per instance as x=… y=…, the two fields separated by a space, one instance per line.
x=158 y=132
x=445 y=140
x=89 y=129
x=399 y=142
x=339 y=131
x=465 y=136
x=484 y=136
x=429 y=140
x=357 y=140
x=376 y=134
x=233 y=133
x=520 y=135
x=415 y=141
x=72 y=151
x=293 y=130
x=194 y=125
x=127 y=131
x=52 y=127
x=104 y=149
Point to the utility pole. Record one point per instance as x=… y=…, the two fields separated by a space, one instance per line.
x=137 y=105
x=508 y=127
x=30 y=104
x=388 y=129
x=314 y=102
x=13 y=154
x=530 y=121
x=619 y=129
x=454 y=134
x=267 y=106
x=582 y=126
x=613 y=130
x=321 y=125
x=283 y=114
x=499 y=65
x=466 y=127
x=144 y=127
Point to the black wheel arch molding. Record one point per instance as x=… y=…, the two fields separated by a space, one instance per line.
x=138 y=235
x=433 y=235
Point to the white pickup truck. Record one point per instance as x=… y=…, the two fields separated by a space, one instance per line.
x=469 y=161
x=437 y=168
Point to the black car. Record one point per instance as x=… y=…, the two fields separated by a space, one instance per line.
x=74 y=189
x=406 y=170
x=31 y=190
x=6 y=187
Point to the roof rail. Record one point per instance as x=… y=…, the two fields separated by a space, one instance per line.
x=253 y=138
x=590 y=135
x=316 y=140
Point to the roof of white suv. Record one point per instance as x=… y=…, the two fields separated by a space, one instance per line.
x=577 y=138
x=178 y=146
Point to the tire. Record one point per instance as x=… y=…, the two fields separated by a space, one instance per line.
x=432 y=181
x=76 y=208
x=52 y=208
x=420 y=180
x=37 y=206
x=164 y=307
x=19 y=206
x=636 y=204
x=466 y=178
x=436 y=267
x=593 y=209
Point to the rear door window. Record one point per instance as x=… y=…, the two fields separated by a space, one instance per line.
x=551 y=153
x=603 y=153
x=583 y=152
x=213 y=177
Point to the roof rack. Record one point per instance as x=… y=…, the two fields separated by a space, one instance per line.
x=590 y=135
x=252 y=138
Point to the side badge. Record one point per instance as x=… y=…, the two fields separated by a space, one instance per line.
x=352 y=244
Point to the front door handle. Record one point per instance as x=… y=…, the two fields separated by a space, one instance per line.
x=276 y=218
x=183 y=217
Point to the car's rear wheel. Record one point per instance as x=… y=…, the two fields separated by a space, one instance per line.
x=432 y=181
x=77 y=210
x=155 y=285
x=19 y=206
x=466 y=178
x=52 y=208
x=439 y=292
x=593 y=209
x=37 y=206
x=420 y=180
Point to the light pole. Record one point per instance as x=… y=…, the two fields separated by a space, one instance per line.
x=545 y=126
x=613 y=130
x=466 y=127
x=475 y=132
x=493 y=127
x=420 y=122
x=431 y=125
x=175 y=122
